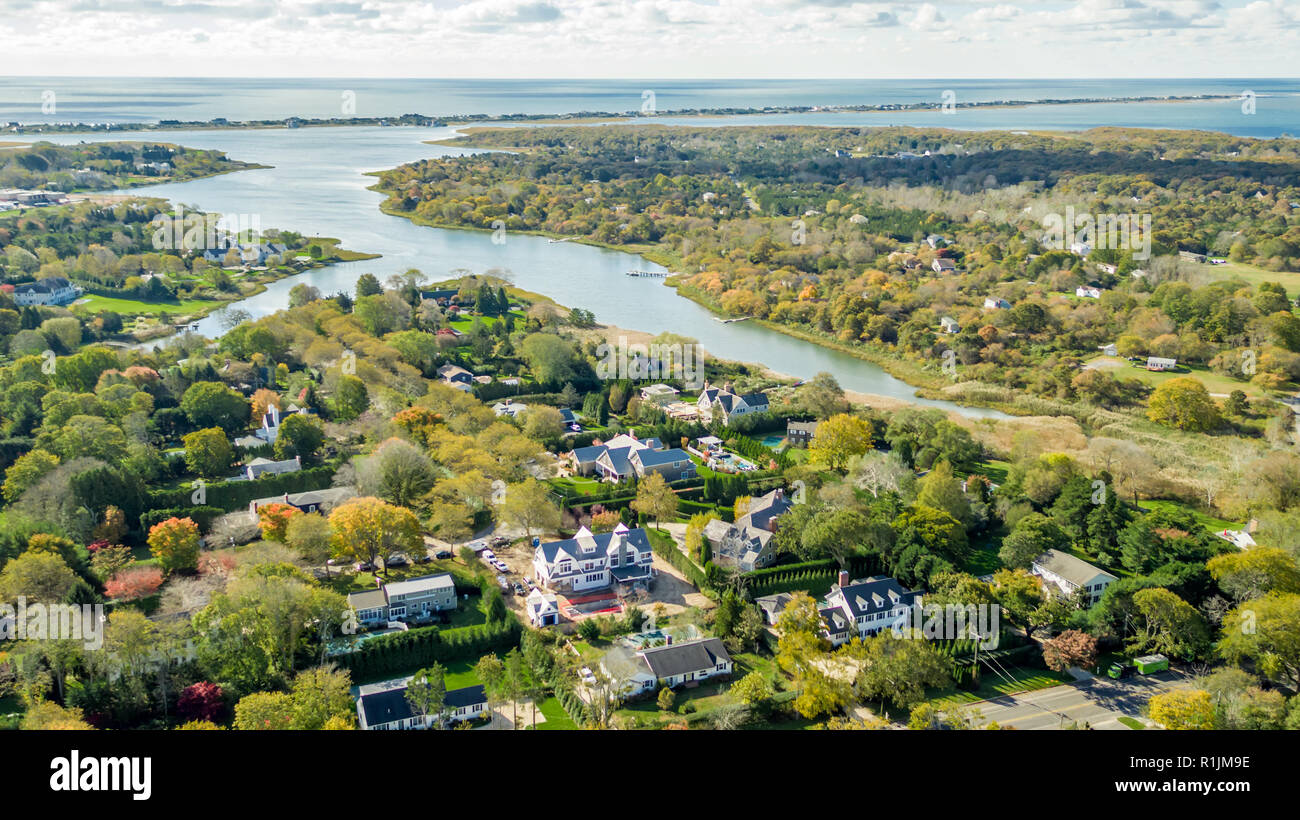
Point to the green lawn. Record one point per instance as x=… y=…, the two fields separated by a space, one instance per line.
x=1214 y=382
x=463 y=324
x=556 y=717
x=984 y=557
x=1255 y=276
x=1211 y=523
x=992 y=685
x=1132 y=723
x=135 y=307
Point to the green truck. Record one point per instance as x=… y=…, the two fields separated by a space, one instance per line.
x=1146 y=665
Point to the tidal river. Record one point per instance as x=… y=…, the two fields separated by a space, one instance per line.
x=317 y=186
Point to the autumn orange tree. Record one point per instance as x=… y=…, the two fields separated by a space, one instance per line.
x=417 y=423
x=175 y=543
x=367 y=529
x=274 y=518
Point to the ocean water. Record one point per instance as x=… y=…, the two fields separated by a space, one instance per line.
x=102 y=100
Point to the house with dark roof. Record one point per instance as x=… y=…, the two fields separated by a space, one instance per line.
x=722 y=404
x=309 y=502
x=673 y=465
x=591 y=561
x=54 y=290
x=385 y=707
x=865 y=607
x=801 y=433
x=259 y=467
x=674 y=664
x=748 y=544
x=773 y=605
x=611 y=460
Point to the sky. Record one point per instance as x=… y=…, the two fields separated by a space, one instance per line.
x=795 y=39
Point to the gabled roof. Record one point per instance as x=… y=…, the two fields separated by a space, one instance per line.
x=766 y=508
x=872 y=595
x=414 y=586
x=681 y=658
x=1075 y=570
x=600 y=543
x=369 y=599
x=653 y=458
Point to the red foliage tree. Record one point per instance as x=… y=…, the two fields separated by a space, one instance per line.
x=201 y=701
x=130 y=584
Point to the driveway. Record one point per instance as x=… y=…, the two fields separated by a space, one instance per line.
x=1100 y=702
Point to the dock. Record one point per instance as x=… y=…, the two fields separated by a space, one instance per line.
x=649 y=273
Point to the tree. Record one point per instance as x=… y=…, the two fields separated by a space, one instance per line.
x=201 y=701
x=1031 y=537
x=368 y=285
x=398 y=472
x=322 y=694
x=695 y=533
x=941 y=490
x=130 y=584
x=823 y=396
x=300 y=435
x=666 y=699
x=175 y=543
x=838 y=439
x=1170 y=625
x=528 y=506
x=427 y=690
x=655 y=499
x=543 y=423
x=1070 y=648
x=309 y=536
x=212 y=404
x=208 y=452
x=40 y=577
x=492 y=673
x=897 y=668
x=262 y=711
x=1266 y=631
x=1183 y=403
x=752 y=690
x=273 y=519
x=1182 y=709
x=1251 y=573
x=27 y=469
x=48 y=716
x=550 y=357
x=350 y=398
x=368 y=529
x=1021 y=596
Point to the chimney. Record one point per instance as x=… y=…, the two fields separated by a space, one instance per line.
x=670 y=640
x=843 y=579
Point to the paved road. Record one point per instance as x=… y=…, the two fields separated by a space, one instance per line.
x=1099 y=702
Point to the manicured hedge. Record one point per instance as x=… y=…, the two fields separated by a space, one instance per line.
x=666 y=549
x=401 y=652
x=232 y=495
x=201 y=515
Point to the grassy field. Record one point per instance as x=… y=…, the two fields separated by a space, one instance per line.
x=135 y=307
x=1211 y=523
x=463 y=324
x=1251 y=274
x=1214 y=382
x=1023 y=679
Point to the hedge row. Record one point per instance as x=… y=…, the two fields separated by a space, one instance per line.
x=232 y=495
x=202 y=515
x=401 y=652
x=575 y=707
x=669 y=552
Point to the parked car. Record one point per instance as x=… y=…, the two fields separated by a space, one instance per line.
x=501 y=567
x=363 y=566
x=1120 y=670
x=396 y=560
x=499 y=541
x=442 y=555
x=519 y=588
x=489 y=556
x=424 y=559
x=504 y=584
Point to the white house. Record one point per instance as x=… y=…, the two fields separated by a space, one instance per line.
x=748 y=543
x=674 y=664
x=1069 y=575
x=1109 y=350
x=588 y=561
x=866 y=607
x=659 y=394
x=384 y=707
x=54 y=290
x=996 y=304
x=543 y=608
x=1084 y=292
x=942 y=265
x=1161 y=363
x=412 y=600
x=509 y=408
x=724 y=404
x=950 y=325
